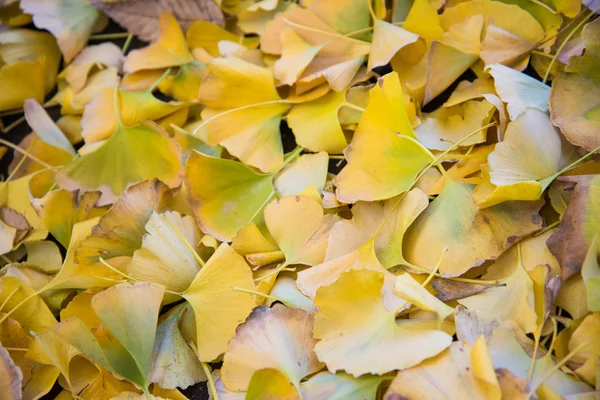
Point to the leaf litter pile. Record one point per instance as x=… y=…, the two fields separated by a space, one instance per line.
x=323 y=199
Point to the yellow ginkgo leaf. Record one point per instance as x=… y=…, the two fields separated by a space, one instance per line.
x=300 y=228
x=381 y=162
x=424 y=20
x=340 y=57
x=277 y=338
x=164 y=257
x=503 y=47
x=386 y=220
x=465 y=36
x=584 y=361
x=120 y=231
x=21 y=80
x=33 y=315
x=130 y=311
x=270 y=383
x=513 y=299
x=70 y=21
x=61 y=209
x=306 y=171
x=444 y=65
x=168 y=51
x=471 y=236
x=388 y=39
x=352 y=320
x=100 y=119
x=131 y=155
x=244 y=112
x=518 y=91
x=74 y=103
x=107 y=54
x=184 y=85
x=207 y=36
x=174 y=363
x=316 y=124
x=451 y=375
x=448 y=125
x=518 y=163
x=218 y=308
x=11 y=377
x=296 y=55
x=286 y=291
x=411 y=290
x=81 y=307
x=12 y=335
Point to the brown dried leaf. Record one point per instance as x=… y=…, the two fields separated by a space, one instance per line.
x=140 y=17
x=452 y=290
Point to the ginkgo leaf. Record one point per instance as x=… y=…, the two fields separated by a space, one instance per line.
x=574 y=94
x=131 y=155
x=590 y=272
x=33 y=315
x=12 y=335
x=503 y=47
x=300 y=228
x=21 y=80
x=352 y=319
x=130 y=311
x=471 y=235
x=120 y=231
x=381 y=163
x=424 y=20
x=70 y=21
x=207 y=35
x=448 y=125
x=518 y=91
x=164 y=257
x=219 y=193
x=24 y=45
x=387 y=220
x=100 y=120
x=445 y=64
x=11 y=377
x=174 y=363
x=584 y=361
x=169 y=50
x=325 y=385
x=296 y=55
x=316 y=124
x=270 y=383
x=388 y=39
x=465 y=35
x=513 y=299
x=452 y=374
x=74 y=103
x=306 y=171
x=244 y=112
x=45 y=129
x=277 y=338
x=518 y=162
x=61 y=209
x=410 y=290
x=285 y=290
x=340 y=57
x=217 y=307
x=576 y=231
x=77 y=72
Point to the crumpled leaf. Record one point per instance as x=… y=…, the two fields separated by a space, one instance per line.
x=275 y=337
x=145 y=26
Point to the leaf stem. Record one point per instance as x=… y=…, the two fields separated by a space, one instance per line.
x=18 y=166
x=127 y=43
x=184 y=240
x=546 y=229
x=109 y=36
x=158 y=81
x=211 y=383
x=547 y=7
x=257 y=293
x=8 y=298
x=116 y=270
x=25 y=300
x=292 y=155
x=353 y=106
x=20 y=150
